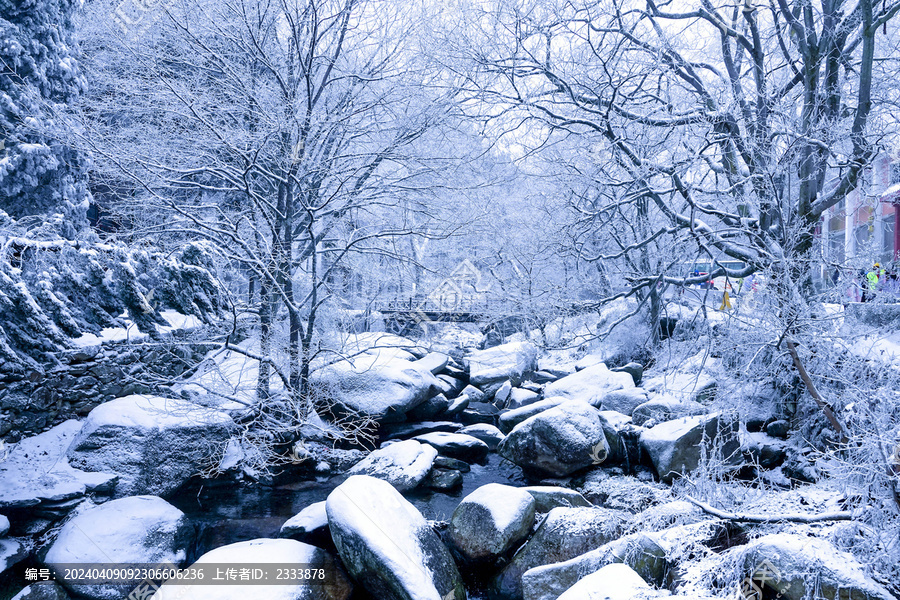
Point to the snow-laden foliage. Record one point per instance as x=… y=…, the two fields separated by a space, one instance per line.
x=38 y=172
x=53 y=289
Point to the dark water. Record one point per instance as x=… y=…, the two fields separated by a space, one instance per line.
x=228 y=512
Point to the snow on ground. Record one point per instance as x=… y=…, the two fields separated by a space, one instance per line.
x=176 y=320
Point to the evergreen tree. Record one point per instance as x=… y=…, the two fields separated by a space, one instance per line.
x=39 y=173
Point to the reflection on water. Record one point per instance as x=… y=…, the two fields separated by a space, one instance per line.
x=226 y=512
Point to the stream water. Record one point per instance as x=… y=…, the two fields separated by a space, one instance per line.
x=226 y=512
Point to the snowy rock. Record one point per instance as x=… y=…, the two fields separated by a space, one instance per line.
x=778 y=429
x=665 y=408
x=404 y=465
x=624 y=401
x=488 y=434
x=590 y=360
x=37 y=473
x=402 y=431
x=623 y=492
x=507 y=361
x=479 y=412
x=451 y=386
x=636 y=370
x=456 y=445
x=384 y=390
x=137 y=529
x=457 y=405
x=44 y=590
x=445 y=462
x=796 y=566
x=564 y=534
x=675 y=446
x=510 y=418
x=4 y=525
x=490 y=521
x=612 y=582
x=639 y=551
x=558 y=441
x=474 y=394
x=309 y=526
x=11 y=553
x=589 y=385
x=431 y=408
x=326 y=457
x=153 y=444
x=335 y=585
x=519 y=397
x=443 y=480
x=548 y=497
x=687 y=387
x=501 y=396
x=435 y=362
x=388 y=546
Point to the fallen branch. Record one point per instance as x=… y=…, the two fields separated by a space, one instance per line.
x=795 y=518
x=811 y=388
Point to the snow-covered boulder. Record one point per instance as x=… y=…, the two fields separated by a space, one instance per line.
x=507 y=361
x=309 y=526
x=697 y=386
x=501 y=396
x=153 y=444
x=404 y=431
x=137 y=529
x=510 y=418
x=334 y=586
x=676 y=446
x=382 y=389
x=4 y=526
x=456 y=445
x=624 y=400
x=519 y=397
x=612 y=582
x=664 y=408
x=795 y=566
x=558 y=441
x=548 y=497
x=564 y=534
x=623 y=492
x=388 y=546
x=474 y=394
x=435 y=362
x=37 y=475
x=490 y=521
x=589 y=385
x=485 y=432
x=641 y=552
x=403 y=464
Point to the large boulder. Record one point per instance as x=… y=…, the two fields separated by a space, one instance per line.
x=37 y=476
x=384 y=389
x=641 y=552
x=488 y=434
x=676 y=446
x=137 y=529
x=519 y=397
x=589 y=385
x=795 y=567
x=507 y=361
x=564 y=534
x=612 y=582
x=333 y=585
x=510 y=418
x=388 y=546
x=402 y=464
x=664 y=408
x=558 y=441
x=154 y=444
x=456 y=445
x=490 y=521
x=624 y=400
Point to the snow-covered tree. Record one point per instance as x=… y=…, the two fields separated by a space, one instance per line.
x=39 y=75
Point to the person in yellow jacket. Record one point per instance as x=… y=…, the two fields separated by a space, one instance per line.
x=872 y=279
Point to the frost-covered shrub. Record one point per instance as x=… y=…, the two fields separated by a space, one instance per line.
x=52 y=290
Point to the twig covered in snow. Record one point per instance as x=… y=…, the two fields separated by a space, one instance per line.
x=795 y=518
